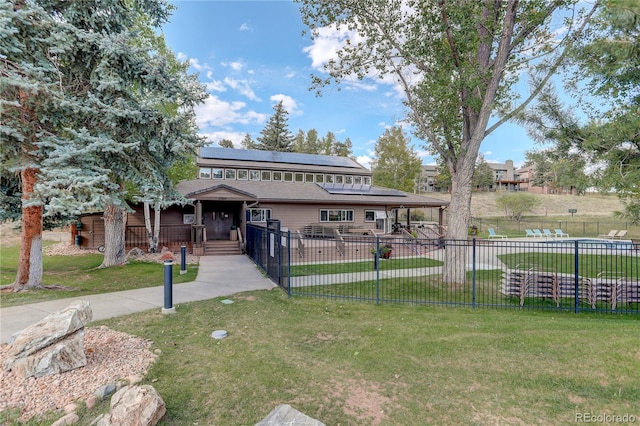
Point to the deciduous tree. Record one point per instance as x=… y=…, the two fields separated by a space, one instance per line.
x=396 y=165
x=455 y=62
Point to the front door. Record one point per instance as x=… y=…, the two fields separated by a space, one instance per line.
x=218 y=224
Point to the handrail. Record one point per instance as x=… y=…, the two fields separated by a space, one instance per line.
x=300 y=244
x=339 y=241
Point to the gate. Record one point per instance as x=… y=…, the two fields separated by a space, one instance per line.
x=269 y=249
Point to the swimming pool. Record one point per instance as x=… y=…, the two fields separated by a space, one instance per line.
x=592 y=243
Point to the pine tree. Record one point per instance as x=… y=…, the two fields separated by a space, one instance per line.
x=247 y=142
x=116 y=106
x=276 y=136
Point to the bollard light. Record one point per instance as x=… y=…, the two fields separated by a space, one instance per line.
x=183 y=260
x=168 y=285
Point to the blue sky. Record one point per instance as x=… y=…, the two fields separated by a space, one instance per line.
x=252 y=54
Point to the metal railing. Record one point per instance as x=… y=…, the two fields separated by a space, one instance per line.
x=172 y=235
x=564 y=274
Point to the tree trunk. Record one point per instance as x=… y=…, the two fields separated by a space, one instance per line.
x=30 y=262
x=455 y=260
x=152 y=245
x=114 y=244
x=156 y=227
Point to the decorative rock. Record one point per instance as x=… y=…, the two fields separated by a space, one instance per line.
x=52 y=345
x=135 y=252
x=134 y=406
x=103 y=392
x=68 y=419
x=70 y=408
x=91 y=401
x=287 y=415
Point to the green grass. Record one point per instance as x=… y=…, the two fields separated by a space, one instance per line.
x=363 y=266
x=80 y=276
x=365 y=364
x=590 y=265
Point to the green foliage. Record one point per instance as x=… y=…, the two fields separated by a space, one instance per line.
x=396 y=165
x=225 y=143
x=483 y=176
x=185 y=169
x=247 y=142
x=517 y=204
x=276 y=135
x=105 y=99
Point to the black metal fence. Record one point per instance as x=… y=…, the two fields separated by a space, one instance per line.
x=565 y=274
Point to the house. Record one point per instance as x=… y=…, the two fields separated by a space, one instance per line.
x=307 y=193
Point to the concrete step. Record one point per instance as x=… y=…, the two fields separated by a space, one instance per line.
x=221 y=248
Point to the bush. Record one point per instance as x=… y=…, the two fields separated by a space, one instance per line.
x=517 y=204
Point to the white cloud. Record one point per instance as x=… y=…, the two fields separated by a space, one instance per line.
x=364 y=160
x=245 y=27
x=234 y=65
x=215 y=137
x=243 y=87
x=326 y=45
x=216 y=112
x=215 y=86
x=289 y=104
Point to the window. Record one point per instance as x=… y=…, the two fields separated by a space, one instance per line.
x=348 y=180
x=336 y=215
x=329 y=178
x=319 y=178
x=230 y=174
x=369 y=216
x=357 y=180
x=308 y=177
x=205 y=173
x=366 y=180
x=339 y=179
x=254 y=174
x=243 y=174
x=277 y=176
x=299 y=177
x=217 y=173
x=258 y=215
x=288 y=177
x=266 y=175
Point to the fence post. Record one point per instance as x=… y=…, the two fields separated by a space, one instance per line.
x=576 y=277
x=473 y=274
x=288 y=263
x=377 y=267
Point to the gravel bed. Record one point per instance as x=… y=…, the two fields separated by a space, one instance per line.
x=112 y=356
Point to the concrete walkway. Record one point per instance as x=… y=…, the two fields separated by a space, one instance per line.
x=217 y=276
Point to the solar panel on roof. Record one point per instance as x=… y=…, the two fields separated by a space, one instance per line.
x=346 y=189
x=277 y=157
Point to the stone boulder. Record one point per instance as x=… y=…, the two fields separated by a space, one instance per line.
x=52 y=345
x=134 y=406
x=287 y=415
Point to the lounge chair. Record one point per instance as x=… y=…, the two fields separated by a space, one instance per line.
x=621 y=234
x=529 y=233
x=538 y=233
x=547 y=233
x=492 y=234
x=611 y=234
x=560 y=233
